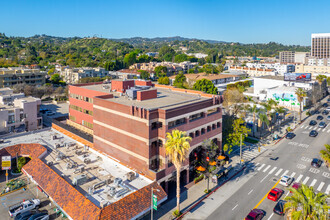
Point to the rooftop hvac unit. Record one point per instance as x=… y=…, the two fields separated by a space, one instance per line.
x=131 y=176
x=50 y=163
x=117 y=181
x=79 y=180
x=87 y=161
x=112 y=191
x=105 y=87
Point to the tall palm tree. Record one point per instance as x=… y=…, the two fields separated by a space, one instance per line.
x=280 y=110
x=320 y=79
x=305 y=204
x=325 y=154
x=253 y=110
x=268 y=108
x=264 y=119
x=300 y=96
x=177 y=148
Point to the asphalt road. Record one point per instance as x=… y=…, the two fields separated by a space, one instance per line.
x=294 y=160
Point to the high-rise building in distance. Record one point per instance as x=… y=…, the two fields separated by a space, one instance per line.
x=320 y=45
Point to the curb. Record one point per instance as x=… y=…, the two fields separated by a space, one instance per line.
x=207 y=195
x=12 y=191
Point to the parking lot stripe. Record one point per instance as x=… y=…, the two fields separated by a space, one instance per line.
x=278 y=172
x=272 y=171
x=266 y=168
x=262 y=165
x=320 y=186
x=328 y=190
x=292 y=175
x=286 y=172
x=313 y=182
x=305 y=180
x=299 y=178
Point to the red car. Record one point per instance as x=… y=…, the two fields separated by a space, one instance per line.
x=275 y=194
x=255 y=214
x=295 y=186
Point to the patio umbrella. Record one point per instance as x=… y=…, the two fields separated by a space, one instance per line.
x=212 y=163
x=200 y=168
x=221 y=157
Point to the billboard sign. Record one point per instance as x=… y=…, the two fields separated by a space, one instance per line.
x=298 y=77
x=6 y=162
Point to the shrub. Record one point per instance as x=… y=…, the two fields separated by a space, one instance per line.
x=176 y=213
x=199 y=178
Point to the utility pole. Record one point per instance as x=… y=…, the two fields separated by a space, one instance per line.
x=240 y=162
x=151 y=204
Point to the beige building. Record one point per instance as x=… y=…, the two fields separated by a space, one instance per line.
x=17 y=111
x=73 y=75
x=171 y=67
x=287 y=56
x=301 y=57
x=312 y=69
x=15 y=75
x=254 y=72
x=320 y=45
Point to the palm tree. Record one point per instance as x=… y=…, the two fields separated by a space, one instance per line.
x=305 y=204
x=300 y=96
x=268 y=107
x=264 y=119
x=280 y=110
x=254 y=110
x=177 y=148
x=320 y=79
x=325 y=154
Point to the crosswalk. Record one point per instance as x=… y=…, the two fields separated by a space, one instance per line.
x=249 y=152
x=317 y=128
x=278 y=172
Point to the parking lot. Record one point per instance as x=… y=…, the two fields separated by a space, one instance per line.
x=59 y=110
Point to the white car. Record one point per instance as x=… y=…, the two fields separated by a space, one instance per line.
x=286 y=180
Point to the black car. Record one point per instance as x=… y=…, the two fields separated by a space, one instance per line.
x=325 y=112
x=317 y=112
x=24 y=215
x=316 y=162
x=39 y=216
x=313 y=133
x=312 y=122
x=279 y=207
x=325 y=105
x=322 y=124
x=290 y=135
x=320 y=117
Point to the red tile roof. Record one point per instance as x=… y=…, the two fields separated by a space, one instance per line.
x=133 y=204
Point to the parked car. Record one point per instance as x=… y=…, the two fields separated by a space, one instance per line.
x=328 y=117
x=2 y=141
x=328 y=109
x=286 y=180
x=275 y=194
x=328 y=99
x=320 y=117
x=290 y=135
x=255 y=214
x=295 y=186
x=312 y=122
x=325 y=112
x=313 y=133
x=322 y=124
x=316 y=162
x=279 y=208
x=24 y=206
x=25 y=215
x=325 y=105
x=317 y=112
x=50 y=113
x=39 y=216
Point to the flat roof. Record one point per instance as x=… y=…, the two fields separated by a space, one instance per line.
x=166 y=98
x=272 y=77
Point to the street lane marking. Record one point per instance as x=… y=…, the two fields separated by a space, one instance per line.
x=278 y=172
x=250 y=192
x=292 y=175
x=272 y=171
x=313 y=182
x=264 y=178
x=325 y=174
x=287 y=194
x=270 y=216
x=310 y=127
x=306 y=179
x=266 y=168
x=318 y=129
x=314 y=170
x=324 y=130
x=328 y=131
x=262 y=165
x=299 y=178
x=267 y=193
x=328 y=190
x=302 y=126
x=257 y=164
x=235 y=206
x=286 y=172
x=320 y=186
x=301 y=166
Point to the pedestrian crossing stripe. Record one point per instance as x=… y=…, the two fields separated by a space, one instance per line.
x=286 y=172
x=299 y=178
x=266 y=168
x=313 y=182
x=320 y=186
x=293 y=174
x=278 y=172
x=262 y=165
x=272 y=171
x=306 y=179
x=327 y=191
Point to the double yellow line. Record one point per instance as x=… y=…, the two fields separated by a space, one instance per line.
x=267 y=194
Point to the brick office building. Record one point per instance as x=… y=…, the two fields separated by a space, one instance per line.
x=130 y=120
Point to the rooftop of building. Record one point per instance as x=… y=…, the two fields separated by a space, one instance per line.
x=167 y=98
x=197 y=76
x=272 y=77
x=316 y=35
x=54 y=176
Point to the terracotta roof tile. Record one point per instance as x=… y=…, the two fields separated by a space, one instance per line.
x=133 y=204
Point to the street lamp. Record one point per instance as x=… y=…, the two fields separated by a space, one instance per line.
x=151 y=208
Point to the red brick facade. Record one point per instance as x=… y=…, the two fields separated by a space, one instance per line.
x=148 y=94
x=121 y=86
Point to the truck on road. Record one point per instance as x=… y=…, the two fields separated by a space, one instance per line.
x=24 y=206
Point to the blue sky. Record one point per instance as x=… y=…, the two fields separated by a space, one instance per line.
x=257 y=21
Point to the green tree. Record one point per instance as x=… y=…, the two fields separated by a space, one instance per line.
x=177 y=148
x=239 y=130
x=305 y=204
x=164 y=80
x=166 y=53
x=263 y=118
x=160 y=71
x=320 y=79
x=51 y=71
x=55 y=78
x=144 y=74
x=254 y=110
x=130 y=58
x=325 y=154
x=206 y=86
x=180 y=80
x=211 y=150
x=181 y=58
x=301 y=94
x=20 y=163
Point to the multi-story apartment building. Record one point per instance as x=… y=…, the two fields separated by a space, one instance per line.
x=254 y=71
x=18 y=111
x=280 y=68
x=287 y=56
x=130 y=120
x=73 y=75
x=171 y=67
x=14 y=75
x=301 y=57
x=320 y=45
x=312 y=69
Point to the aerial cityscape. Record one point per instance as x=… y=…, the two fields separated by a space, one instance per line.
x=181 y=110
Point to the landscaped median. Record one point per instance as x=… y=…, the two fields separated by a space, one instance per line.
x=12 y=186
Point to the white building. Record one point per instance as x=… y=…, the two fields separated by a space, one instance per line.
x=278 y=67
x=73 y=75
x=17 y=111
